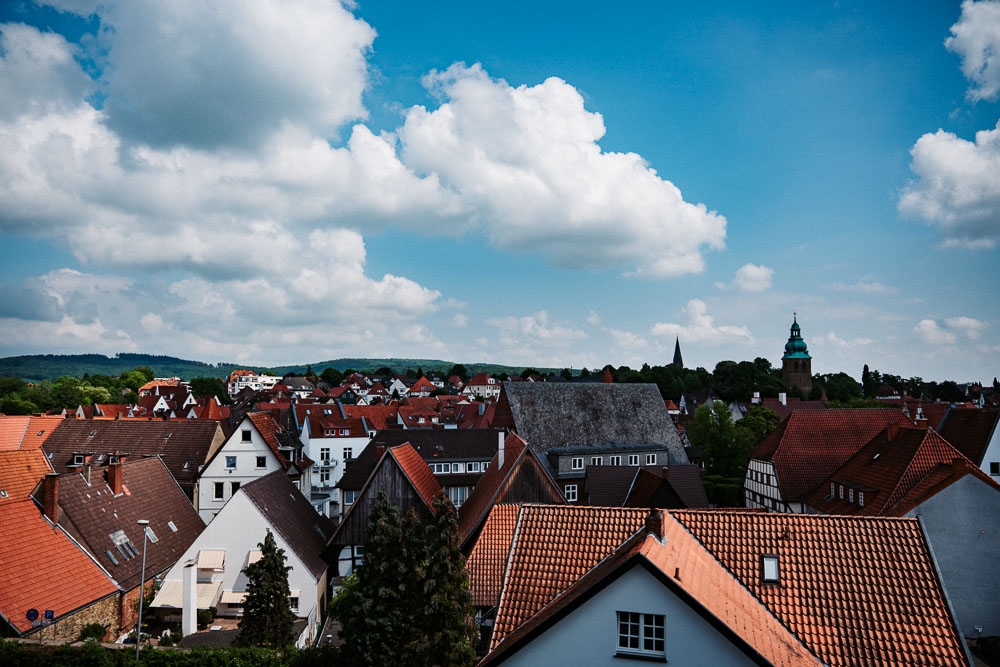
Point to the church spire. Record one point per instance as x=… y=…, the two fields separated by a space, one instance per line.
x=678 y=361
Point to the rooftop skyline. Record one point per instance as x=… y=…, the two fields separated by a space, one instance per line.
x=555 y=185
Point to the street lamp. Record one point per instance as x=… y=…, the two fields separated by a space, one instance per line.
x=142 y=576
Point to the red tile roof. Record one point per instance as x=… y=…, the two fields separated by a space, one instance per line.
x=418 y=472
x=268 y=430
x=42 y=568
x=684 y=566
x=479 y=379
x=38 y=431
x=855 y=590
x=554 y=546
x=12 y=430
x=379 y=416
x=488 y=559
x=20 y=472
x=423 y=384
x=894 y=474
x=808 y=446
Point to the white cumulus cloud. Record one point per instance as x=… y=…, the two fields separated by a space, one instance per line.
x=957 y=186
x=701 y=329
x=976 y=39
x=753 y=278
x=930 y=332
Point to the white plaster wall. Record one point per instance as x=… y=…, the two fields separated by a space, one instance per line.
x=589 y=635
x=246 y=470
x=992 y=454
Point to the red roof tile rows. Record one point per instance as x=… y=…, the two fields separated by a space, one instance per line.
x=20 y=473
x=418 y=472
x=488 y=559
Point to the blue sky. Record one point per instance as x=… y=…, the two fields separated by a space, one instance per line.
x=555 y=184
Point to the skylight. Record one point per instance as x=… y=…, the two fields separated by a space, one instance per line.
x=769 y=569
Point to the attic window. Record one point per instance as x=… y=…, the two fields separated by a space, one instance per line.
x=769 y=569
x=850 y=493
x=78 y=459
x=40 y=433
x=111 y=557
x=166 y=436
x=841 y=491
x=833 y=489
x=875 y=458
x=93 y=433
x=172 y=526
x=152 y=536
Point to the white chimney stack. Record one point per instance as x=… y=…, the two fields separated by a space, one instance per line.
x=500 y=450
x=783 y=398
x=756 y=398
x=189 y=605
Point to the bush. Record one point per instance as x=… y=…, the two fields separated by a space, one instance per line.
x=94 y=631
x=205 y=616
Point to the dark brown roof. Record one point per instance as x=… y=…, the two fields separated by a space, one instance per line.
x=608 y=486
x=675 y=487
x=97 y=517
x=969 y=430
x=550 y=415
x=293 y=517
x=183 y=445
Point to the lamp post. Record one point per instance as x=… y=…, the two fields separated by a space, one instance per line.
x=142 y=576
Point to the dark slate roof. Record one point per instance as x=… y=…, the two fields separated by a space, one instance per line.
x=94 y=514
x=549 y=415
x=293 y=517
x=608 y=486
x=684 y=480
x=970 y=430
x=183 y=445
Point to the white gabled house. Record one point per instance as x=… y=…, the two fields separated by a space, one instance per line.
x=483 y=386
x=222 y=551
x=330 y=439
x=256 y=448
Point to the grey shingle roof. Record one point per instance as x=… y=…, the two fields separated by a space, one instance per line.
x=550 y=415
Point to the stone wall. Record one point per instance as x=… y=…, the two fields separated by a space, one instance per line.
x=129 y=611
x=105 y=611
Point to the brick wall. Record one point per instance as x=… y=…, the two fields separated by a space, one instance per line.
x=104 y=611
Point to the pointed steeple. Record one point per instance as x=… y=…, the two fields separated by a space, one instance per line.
x=678 y=361
x=607 y=379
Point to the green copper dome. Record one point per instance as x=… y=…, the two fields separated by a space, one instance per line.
x=796 y=348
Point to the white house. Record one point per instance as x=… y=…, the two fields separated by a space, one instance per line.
x=483 y=386
x=253 y=450
x=330 y=438
x=228 y=545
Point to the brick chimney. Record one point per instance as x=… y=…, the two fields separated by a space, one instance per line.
x=85 y=470
x=654 y=522
x=115 y=477
x=891 y=431
x=50 y=496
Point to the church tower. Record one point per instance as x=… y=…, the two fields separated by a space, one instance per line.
x=678 y=361
x=796 y=364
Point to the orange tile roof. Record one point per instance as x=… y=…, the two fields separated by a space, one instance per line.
x=20 y=472
x=42 y=568
x=894 y=474
x=554 y=545
x=268 y=430
x=811 y=444
x=419 y=473
x=152 y=384
x=681 y=563
x=12 y=431
x=488 y=559
x=855 y=590
x=39 y=430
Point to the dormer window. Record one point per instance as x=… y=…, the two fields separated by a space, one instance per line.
x=833 y=489
x=861 y=498
x=769 y=573
x=78 y=459
x=850 y=494
x=841 y=491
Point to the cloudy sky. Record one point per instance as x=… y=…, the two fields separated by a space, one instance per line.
x=555 y=184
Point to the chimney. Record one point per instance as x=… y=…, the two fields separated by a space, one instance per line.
x=783 y=398
x=85 y=471
x=500 y=449
x=891 y=431
x=756 y=398
x=115 y=477
x=189 y=599
x=50 y=497
x=654 y=522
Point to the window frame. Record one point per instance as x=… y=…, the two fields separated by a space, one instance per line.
x=644 y=635
x=230 y=463
x=596 y=460
x=219 y=491
x=615 y=460
x=766 y=576
x=651 y=459
x=571 y=493
x=261 y=461
x=247 y=435
x=576 y=463
x=633 y=459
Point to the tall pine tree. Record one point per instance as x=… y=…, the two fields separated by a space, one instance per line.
x=267 y=617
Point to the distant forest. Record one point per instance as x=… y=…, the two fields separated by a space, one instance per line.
x=39 y=367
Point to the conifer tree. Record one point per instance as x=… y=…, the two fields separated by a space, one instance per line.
x=267 y=618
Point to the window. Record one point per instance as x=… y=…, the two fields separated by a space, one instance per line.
x=458 y=494
x=995 y=467
x=486 y=464
x=246 y=435
x=641 y=634
x=78 y=459
x=841 y=491
x=833 y=489
x=350 y=497
x=348 y=453
x=577 y=463
x=324 y=453
x=230 y=461
x=651 y=459
x=219 y=490
x=861 y=498
x=570 y=493
x=151 y=535
x=474 y=466
x=324 y=476
x=344 y=431
x=850 y=493
x=633 y=459
x=233 y=488
x=293 y=602
x=172 y=526
x=615 y=460
x=261 y=461
x=769 y=569
x=596 y=460
x=457 y=467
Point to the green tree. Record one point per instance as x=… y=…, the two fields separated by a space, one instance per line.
x=208 y=386
x=459 y=370
x=10 y=385
x=310 y=375
x=267 y=617
x=146 y=372
x=724 y=447
x=385 y=370
x=759 y=421
x=566 y=373
x=528 y=372
x=842 y=387
x=867 y=383
x=332 y=376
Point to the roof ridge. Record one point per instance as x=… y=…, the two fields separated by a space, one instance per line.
x=506 y=570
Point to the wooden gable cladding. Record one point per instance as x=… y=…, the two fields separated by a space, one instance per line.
x=390 y=477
